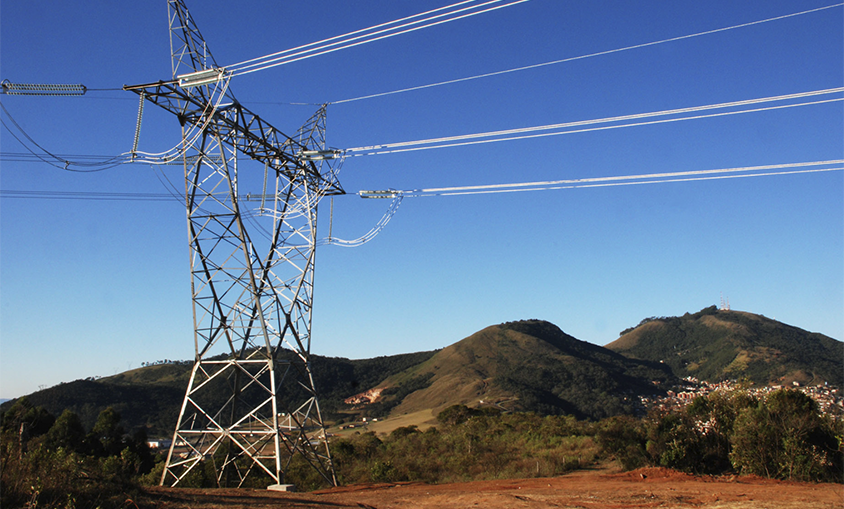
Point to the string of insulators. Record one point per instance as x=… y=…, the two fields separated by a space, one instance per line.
x=138 y=126
x=42 y=88
x=387 y=193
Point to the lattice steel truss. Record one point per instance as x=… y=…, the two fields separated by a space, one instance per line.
x=250 y=404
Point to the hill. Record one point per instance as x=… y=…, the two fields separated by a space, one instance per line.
x=151 y=396
x=716 y=345
x=527 y=365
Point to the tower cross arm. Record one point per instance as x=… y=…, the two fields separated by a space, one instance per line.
x=248 y=132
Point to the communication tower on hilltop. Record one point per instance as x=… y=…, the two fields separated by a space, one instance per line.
x=725 y=304
x=251 y=405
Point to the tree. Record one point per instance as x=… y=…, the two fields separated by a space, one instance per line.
x=674 y=441
x=715 y=417
x=786 y=437
x=37 y=420
x=457 y=414
x=67 y=432
x=624 y=438
x=108 y=433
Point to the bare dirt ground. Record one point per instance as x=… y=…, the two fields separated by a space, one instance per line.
x=644 y=488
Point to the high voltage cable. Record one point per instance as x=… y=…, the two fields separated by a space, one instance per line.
x=278 y=59
x=648 y=178
x=589 y=55
x=491 y=136
x=354 y=39
x=28 y=157
x=47 y=155
x=85 y=195
x=524 y=133
x=411 y=194
x=266 y=58
x=170 y=156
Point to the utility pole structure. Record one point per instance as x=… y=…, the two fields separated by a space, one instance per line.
x=251 y=404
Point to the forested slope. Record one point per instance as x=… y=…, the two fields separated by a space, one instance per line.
x=718 y=345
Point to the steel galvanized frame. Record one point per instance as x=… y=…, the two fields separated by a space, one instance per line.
x=252 y=300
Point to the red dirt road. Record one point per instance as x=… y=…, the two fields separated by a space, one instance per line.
x=645 y=488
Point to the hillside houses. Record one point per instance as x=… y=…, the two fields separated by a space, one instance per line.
x=830 y=399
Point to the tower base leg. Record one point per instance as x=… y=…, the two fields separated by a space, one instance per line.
x=282 y=487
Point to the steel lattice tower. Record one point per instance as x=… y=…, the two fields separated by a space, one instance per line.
x=250 y=404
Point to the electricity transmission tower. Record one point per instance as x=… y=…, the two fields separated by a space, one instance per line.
x=250 y=405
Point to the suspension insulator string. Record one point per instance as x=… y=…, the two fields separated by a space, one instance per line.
x=138 y=126
x=42 y=88
x=330 y=218
x=264 y=190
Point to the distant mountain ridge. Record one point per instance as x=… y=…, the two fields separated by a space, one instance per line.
x=151 y=396
x=718 y=345
x=526 y=365
x=529 y=365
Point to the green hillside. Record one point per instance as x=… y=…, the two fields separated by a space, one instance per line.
x=151 y=396
x=528 y=365
x=716 y=345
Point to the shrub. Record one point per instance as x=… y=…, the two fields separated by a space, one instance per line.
x=786 y=437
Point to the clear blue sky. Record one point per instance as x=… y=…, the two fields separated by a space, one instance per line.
x=97 y=287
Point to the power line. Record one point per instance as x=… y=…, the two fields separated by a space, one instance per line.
x=589 y=55
x=53 y=159
x=455 y=12
x=471 y=139
x=525 y=132
x=648 y=178
x=505 y=135
x=267 y=58
x=95 y=163
x=85 y=195
x=29 y=157
x=546 y=185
